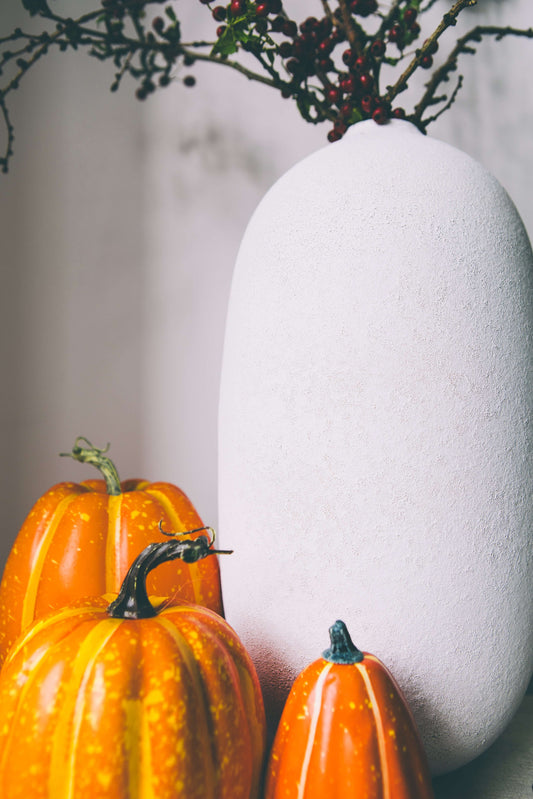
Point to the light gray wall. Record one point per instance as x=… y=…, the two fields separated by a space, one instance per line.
x=119 y=226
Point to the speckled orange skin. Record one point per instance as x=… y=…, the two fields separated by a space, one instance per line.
x=79 y=541
x=346 y=733
x=93 y=707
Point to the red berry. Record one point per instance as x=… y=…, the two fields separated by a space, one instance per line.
x=340 y=126
x=262 y=10
x=345 y=110
x=426 y=62
x=236 y=7
x=367 y=103
x=396 y=35
x=290 y=28
x=379 y=115
x=409 y=16
x=158 y=24
x=189 y=80
x=334 y=135
x=219 y=13
x=285 y=49
x=309 y=25
x=359 y=64
x=363 y=7
x=366 y=81
x=221 y=29
x=398 y=113
x=348 y=84
x=277 y=24
x=333 y=95
x=377 y=48
x=326 y=46
x=348 y=57
x=294 y=66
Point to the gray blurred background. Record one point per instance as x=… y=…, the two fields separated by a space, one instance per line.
x=119 y=226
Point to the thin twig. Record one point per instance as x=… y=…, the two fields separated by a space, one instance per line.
x=448 y=104
x=449 y=19
x=462 y=46
x=350 y=28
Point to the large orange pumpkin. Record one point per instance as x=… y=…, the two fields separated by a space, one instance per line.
x=135 y=700
x=79 y=539
x=347 y=733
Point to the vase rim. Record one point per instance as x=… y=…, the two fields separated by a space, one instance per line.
x=368 y=126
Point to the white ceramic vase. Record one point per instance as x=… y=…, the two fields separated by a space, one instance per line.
x=375 y=430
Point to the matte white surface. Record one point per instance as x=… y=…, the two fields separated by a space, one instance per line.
x=505 y=771
x=375 y=442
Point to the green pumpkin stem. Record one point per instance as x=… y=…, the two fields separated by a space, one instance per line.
x=342 y=649
x=132 y=601
x=96 y=457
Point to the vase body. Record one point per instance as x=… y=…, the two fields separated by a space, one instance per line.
x=375 y=446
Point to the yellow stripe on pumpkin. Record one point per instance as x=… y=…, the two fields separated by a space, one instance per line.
x=61 y=778
x=139 y=753
x=113 y=571
x=380 y=727
x=48 y=621
x=317 y=707
x=192 y=665
x=33 y=676
x=37 y=564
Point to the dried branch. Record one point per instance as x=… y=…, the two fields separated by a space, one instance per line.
x=449 y=19
x=351 y=29
x=450 y=65
x=301 y=61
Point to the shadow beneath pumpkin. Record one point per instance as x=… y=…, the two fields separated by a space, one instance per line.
x=276 y=678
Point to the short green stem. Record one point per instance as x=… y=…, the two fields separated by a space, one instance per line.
x=342 y=649
x=97 y=457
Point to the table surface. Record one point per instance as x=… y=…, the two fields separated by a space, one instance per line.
x=504 y=771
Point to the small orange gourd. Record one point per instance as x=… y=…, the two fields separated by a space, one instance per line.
x=346 y=733
x=137 y=699
x=79 y=539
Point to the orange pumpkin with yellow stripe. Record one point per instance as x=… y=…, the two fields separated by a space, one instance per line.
x=136 y=699
x=80 y=538
x=346 y=733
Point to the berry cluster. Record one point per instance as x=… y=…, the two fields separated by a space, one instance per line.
x=330 y=65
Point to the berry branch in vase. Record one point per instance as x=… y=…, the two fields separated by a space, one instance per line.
x=331 y=65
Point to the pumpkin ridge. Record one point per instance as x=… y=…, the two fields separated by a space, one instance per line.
x=112 y=549
x=47 y=621
x=62 y=762
x=37 y=566
x=33 y=676
x=185 y=649
x=219 y=653
x=137 y=737
x=317 y=707
x=380 y=728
